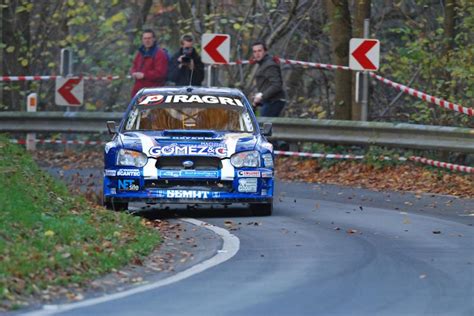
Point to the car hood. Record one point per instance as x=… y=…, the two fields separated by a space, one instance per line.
x=189 y=143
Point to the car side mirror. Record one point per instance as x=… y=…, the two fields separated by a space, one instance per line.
x=111 y=127
x=267 y=129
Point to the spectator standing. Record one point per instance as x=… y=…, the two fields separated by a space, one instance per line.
x=186 y=65
x=150 y=65
x=270 y=92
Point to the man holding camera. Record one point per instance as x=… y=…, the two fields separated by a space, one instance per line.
x=187 y=68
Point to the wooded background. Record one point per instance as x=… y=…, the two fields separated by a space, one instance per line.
x=425 y=44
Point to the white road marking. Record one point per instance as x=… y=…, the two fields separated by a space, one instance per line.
x=230 y=247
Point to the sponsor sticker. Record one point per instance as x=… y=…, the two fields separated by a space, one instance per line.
x=151 y=99
x=247 y=185
x=268 y=160
x=187 y=194
x=267 y=174
x=249 y=173
x=193 y=98
x=188 y=150
x=128 y=173
x=187 y=174
x=128 y=185
x=110 y=173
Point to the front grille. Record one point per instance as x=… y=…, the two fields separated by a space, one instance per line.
x=200 y=185
x=200 y=163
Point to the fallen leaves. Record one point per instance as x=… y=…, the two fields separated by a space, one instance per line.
x=49 y=233
x=406 y=177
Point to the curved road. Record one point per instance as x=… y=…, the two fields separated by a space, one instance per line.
x=329 y=250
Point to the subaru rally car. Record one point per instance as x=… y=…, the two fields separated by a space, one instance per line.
x=189 y=145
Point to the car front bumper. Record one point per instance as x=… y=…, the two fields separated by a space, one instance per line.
x=263 y=192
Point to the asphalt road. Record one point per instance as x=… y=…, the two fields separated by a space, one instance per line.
x=328 y=250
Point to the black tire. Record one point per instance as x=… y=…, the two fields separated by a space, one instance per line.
x=261 y=209
x=116 y=206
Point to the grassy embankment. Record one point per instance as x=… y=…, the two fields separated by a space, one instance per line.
x=50 y=239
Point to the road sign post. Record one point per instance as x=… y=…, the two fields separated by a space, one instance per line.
x=215 y=50
x=364 y=56
x=66 y=65
x=365 y=82
x=69 y=91
x=364 y=53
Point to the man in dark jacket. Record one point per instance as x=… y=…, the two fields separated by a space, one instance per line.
x=186 y=65
x=150 y=65
x=270 y=94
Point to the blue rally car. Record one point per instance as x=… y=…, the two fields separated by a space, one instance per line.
x=189 y=145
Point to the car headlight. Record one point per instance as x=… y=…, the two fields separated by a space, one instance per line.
x=246 y=159
x=131 y=158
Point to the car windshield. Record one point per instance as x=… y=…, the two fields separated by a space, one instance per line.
x=160 y=112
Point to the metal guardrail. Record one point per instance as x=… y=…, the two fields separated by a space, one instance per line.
x=290 y=129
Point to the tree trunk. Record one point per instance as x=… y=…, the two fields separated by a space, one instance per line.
x=15 y=35
x=449 y=23
x=341 y=31
x=362 y=12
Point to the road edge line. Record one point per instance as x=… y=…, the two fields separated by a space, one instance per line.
x=230 y=247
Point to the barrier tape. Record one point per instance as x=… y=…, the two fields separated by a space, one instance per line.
x=434 y=163
x=59 y=141
x=309 y=64
x=316 y=155
x=37 y=78
x=440 y=164
x=289 y=62
x=425 y=97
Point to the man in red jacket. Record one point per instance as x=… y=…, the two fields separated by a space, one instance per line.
x=150 y=65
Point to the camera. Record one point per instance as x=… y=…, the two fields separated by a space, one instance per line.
x=187 y=52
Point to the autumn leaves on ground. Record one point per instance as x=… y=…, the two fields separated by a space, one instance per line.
x=398 y=177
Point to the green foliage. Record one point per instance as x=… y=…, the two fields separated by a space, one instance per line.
x=48 y=237
x=380 y=157
x=443 y=72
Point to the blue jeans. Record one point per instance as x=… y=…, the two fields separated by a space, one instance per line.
x=272 y=108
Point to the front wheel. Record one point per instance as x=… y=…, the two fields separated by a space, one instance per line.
x=116 y=206
x=261 y=209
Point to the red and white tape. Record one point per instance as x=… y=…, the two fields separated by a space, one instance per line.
x=37 y=78
x=289 y=62
x=440 y=164
x=59 y=141
x=309 y=64
x=424 y=96
x=316 y=155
